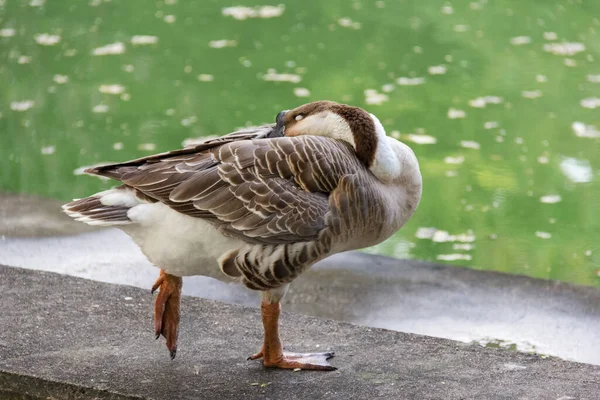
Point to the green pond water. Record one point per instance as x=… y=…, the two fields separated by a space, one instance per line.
x=499 y=99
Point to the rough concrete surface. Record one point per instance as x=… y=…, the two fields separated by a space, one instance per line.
x=68 y=337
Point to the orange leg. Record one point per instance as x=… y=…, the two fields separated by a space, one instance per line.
x=166 y=309
x=272 y=351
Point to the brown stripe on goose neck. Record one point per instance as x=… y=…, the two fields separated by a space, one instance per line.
x=363 y=130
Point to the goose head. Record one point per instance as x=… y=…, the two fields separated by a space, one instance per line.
x=387 y=158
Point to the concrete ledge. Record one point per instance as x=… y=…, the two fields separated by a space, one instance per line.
x=67 y=337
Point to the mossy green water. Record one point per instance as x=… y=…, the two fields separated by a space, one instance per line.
x=499 y=100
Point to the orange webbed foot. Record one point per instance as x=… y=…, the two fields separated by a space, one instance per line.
x=166 y=309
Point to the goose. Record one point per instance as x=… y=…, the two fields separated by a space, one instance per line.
x=260 y=206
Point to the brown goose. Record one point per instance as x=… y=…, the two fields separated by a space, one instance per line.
x=261 y=206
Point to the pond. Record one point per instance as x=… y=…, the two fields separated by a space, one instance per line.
x=499 y=99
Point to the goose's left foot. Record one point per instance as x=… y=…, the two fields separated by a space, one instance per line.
x=272 y=351
x=166 y=309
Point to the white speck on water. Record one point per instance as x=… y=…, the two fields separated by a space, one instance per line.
x=111 y=89
x=404 y=81
x=417 y=50
x=128 y=68
x=301 y=92
x=593 y=78
x=273 y=76
x=585 y=131
x=169 y=19
x=569 y=62
x=543 y=159
x=541 y=78
x=481 y=102
x=437 y=69
x=109 y=49
x=138 y=40
x=241 y=13
x=590 y=102
x=551 y=198
x=37 y=3
x=60 y=79
x=454 y=113
x=565 y=48
x=543 y=235
x=24 y=59
x=531 y=94
x=125 y=97
x=348 y=23
x=372 y=96
x=22 y=105
x=146 y=146
x=576 y=170
x=206 y=78
x=463 y=246
x=45 y=39
x=550 y=36
x=388 y=87
x=48 y=150
x=451 y=173
x=170 y=112
x=469 y=144
x=425 y=233
x=7 y=32
x=440 y=236
x=454 y=257
x=118 y=146
x=219 y=44
x=100 y=108
x=460 y=28
x=447 y=9
x=454 y=160
x=520 y=40
x=419 y=138
x=490 y=124
x=588 y=253
x=128 y=298
x=189 y=120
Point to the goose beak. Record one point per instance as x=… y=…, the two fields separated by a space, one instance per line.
x=279 y=129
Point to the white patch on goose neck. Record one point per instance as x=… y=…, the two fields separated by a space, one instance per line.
x=327 y=124
x=386 y=165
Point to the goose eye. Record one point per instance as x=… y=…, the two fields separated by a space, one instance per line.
x=299 y=117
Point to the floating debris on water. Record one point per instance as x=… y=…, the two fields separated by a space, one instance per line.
x=372 y=96
x=206 y=78
x=22 y=105
x=481 y=102
x=470 y=144
x=454 y=160
x=60 y=79
x=219 y=44
x=590 y=102
x=301 y=92
x=586 y=131
x=576 y=170
x=24 y=60
x=189 y=120
x=420 y=138
x=541 y=78
x=111 y=89
x=490 y=124
x=463 y=246
x=454 y=113
x=138 y=40
x=110 y=49
x=531 y=94
x=543 y=235
x=7 y=32
x=551 y=198
x=146 y=146
x=241 y=13
x=454 y=257
x=460 y=28
x=100 y=108
x=404 y=81
x=37 y=3
x=48 y=150
x=273 y=76
x=565 y=48
x=348 y=23
x=520 y=40
x=388 y=87
x=569 y=62
x=441 y=236
x=543 y=159
x=45 y=39
x=593 y=78
x=447 y=9
x=169 y=19
x=437 y=69
x=550 y=36
x=117 y=146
